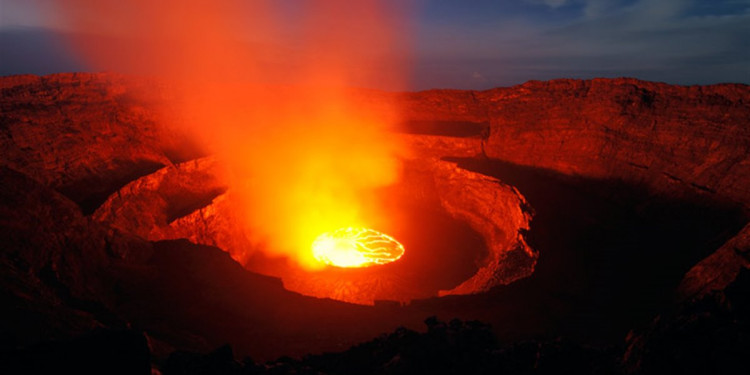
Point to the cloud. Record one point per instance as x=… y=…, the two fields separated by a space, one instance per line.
x=35 y=51
x=28 y=13
x=676 y=41
x=476 y=76
x=597 y=8
x=550 y=3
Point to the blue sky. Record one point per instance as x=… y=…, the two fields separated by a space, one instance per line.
x=479 y=44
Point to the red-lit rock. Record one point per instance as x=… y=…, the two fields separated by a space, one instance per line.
x=495 y=210
x=86 y=135
x=55 y=263
x=719 y=269
x=186 y=200
x=149 y=205
x=499 y=213
x=669 y=138
x=672 y=140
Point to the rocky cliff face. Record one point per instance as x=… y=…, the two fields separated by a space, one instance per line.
x=65 y=275
x=498 y=212
x=670 y=138
x=149 y=206
x=86 y=135
x=718 y=270
x=91 y=173
x=56 y=263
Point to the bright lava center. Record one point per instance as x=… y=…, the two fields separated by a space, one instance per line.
x=356 y=247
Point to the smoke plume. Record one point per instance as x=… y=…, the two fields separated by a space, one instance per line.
x=264 y=86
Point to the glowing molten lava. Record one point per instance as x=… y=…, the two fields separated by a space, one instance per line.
x=356 y=247
x=274 y=81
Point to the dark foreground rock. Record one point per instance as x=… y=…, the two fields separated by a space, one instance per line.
x=99 y=352
x=708 y=335
x=69 y=143
x=455 y=347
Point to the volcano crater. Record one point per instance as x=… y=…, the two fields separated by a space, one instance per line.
x=454 y=244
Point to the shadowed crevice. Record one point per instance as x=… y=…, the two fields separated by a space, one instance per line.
x=460 y=129
x=90 y=192
x=611 y=253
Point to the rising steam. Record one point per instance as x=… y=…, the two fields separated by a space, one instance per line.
x=303 y=155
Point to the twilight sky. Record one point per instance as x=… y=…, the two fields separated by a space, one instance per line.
x=479 y=44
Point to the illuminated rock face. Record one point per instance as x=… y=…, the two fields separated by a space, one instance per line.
x=500 y=214
x=87 y=135
x=665 y=136
x=496 y=211
x=86 y=174
x=719 y=269
x=670 y=138
x=147 y=206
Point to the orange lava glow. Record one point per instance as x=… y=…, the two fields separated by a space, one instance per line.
x=268 y=92
x=356 y=247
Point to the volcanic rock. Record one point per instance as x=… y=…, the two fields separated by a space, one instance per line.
x=185 y=200
x=495 y=210
x=76 y=144
x=499 y=213
x=55 y=262
x=455 y=347
x=102 y=351
x=86 y=135
x=670 y=138
x=708 y=334
x=65 y=275
x=675 y=141
x=195 y=297
x=221 y=361
x=149 y=205
x=719 y=269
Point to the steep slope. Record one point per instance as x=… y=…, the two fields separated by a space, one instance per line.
x=76 y=144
